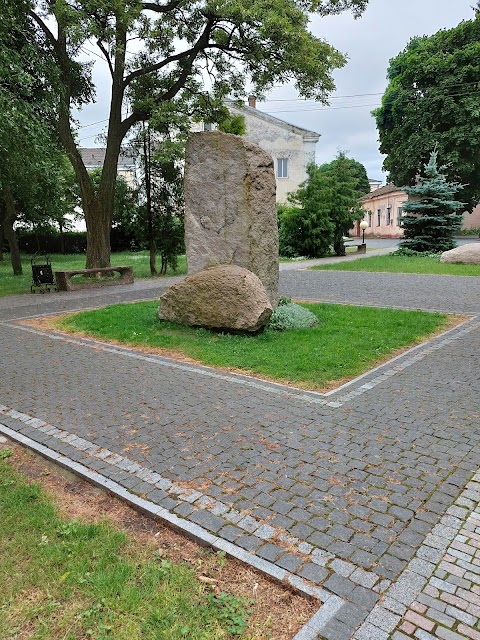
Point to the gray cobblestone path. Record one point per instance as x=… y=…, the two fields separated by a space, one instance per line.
x=341 y=490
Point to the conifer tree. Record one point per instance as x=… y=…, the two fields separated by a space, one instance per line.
x=432 y=216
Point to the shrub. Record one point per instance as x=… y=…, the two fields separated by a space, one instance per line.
x=291 y=316
x=411 y=253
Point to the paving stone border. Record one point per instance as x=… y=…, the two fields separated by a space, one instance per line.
x=330 y=604
x=440 y=588
x=335 y=398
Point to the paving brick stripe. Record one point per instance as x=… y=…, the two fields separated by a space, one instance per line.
x=438 y=595
x=342 y=493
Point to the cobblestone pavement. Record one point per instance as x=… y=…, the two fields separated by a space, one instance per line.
x=351 y=491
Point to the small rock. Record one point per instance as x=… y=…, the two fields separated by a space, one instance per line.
x=224 y=297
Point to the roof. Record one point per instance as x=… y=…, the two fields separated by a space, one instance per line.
x=381 y=191
x=95 y=157
x=305 y=133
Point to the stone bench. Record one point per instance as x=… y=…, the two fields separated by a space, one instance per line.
x=361 y=248
x=64 y=278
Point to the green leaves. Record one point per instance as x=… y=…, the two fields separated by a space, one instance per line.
x=327 y=208
x=433 y=98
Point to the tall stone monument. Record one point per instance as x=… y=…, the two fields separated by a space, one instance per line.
x=230 y=208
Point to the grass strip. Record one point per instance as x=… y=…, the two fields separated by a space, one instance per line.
x=13 y=285
x=347 y=341
x=404 y=264
x=64 y=579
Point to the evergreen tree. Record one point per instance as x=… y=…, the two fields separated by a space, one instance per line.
x=323 y=209
x=341 y=197
x=432 y=214
x=304 y=225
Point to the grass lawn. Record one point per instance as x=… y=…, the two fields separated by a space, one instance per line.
x=405 y=264
x=63 y=579
x=13 y=285
x=346 y=342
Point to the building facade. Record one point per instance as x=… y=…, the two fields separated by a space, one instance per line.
x=383 y=211
x=384 y=208
x=94 y=157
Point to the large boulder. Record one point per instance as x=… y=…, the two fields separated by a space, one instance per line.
x=230 y=208
x=467 y=253
x=224 y=297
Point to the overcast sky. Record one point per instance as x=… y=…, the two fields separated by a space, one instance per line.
x=369 y=42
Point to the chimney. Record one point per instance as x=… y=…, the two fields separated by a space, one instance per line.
x=252 y=101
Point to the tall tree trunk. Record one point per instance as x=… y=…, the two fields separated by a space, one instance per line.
x=97 y=206
x=9 y=231
x=62 y=237
x=338 y=244
x=148 y=190
x=2 y=235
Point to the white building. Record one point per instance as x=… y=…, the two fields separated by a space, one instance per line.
x=94 y=157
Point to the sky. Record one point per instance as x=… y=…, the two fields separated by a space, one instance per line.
x=369 y=42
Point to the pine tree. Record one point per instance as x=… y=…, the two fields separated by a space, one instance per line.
x=432 y=216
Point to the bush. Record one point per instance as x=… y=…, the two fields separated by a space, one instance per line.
x=291 y=316
x=411 y=253
x=47 y=243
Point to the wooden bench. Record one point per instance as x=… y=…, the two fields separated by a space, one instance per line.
x=64 y=278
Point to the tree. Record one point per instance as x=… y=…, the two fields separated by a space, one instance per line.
x=305 y=228
x=161 y=218
x=359 y=172
x=346 y=183
x=31 y=167
x=229 y=41
x=233 y=123
x=433 y=100
x=431 y=218
x=324 y=209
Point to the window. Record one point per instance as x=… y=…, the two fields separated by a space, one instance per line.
x=370 y=219
x=389 y=215
x=379 y=217
x=207 y=126
x=282 y=168
x=399 y=216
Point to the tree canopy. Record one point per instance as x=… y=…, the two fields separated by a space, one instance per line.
x=323 y=209
x=346 y=182
x=433 y=100
x=160 y=52
x=32 y=171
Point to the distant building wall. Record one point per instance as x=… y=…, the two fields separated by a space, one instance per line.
x=472 y=220
x=383 y=210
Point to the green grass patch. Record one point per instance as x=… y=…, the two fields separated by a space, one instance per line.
x=346 y=342
x=12 y=285
x=69 y=580
x=404 y=264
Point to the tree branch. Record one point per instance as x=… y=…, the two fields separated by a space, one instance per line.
x=101 y=46
x=153 y=6
x=49 y=35
x=156 y=67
